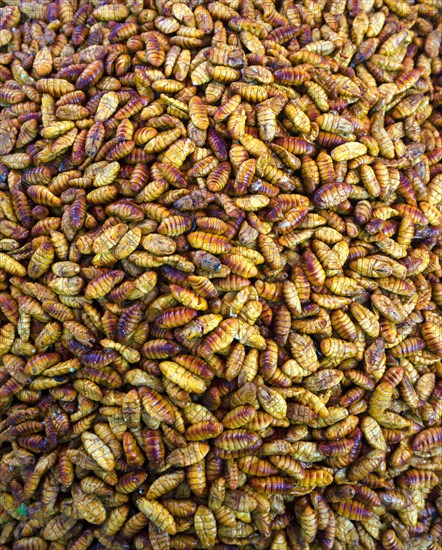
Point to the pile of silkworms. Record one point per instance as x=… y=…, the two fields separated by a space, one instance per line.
x=220 y=275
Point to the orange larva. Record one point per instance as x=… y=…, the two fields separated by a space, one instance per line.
x=158 y=514
x=216 y=244
x=157 y=405
x=98 y=451
x=255 y=466
x=427 y=439
x=203 y=430
x=195 y=365
x=190 y=454
x=221 y=337
x=271 y=484
x=331 y=194
x=366 y=465
x=353 y=509
x=237 y=439
x=432 y=336
x=176 y=317
x=154 y=446
x=239 y=416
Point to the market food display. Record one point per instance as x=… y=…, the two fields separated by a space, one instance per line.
x=220 y=277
